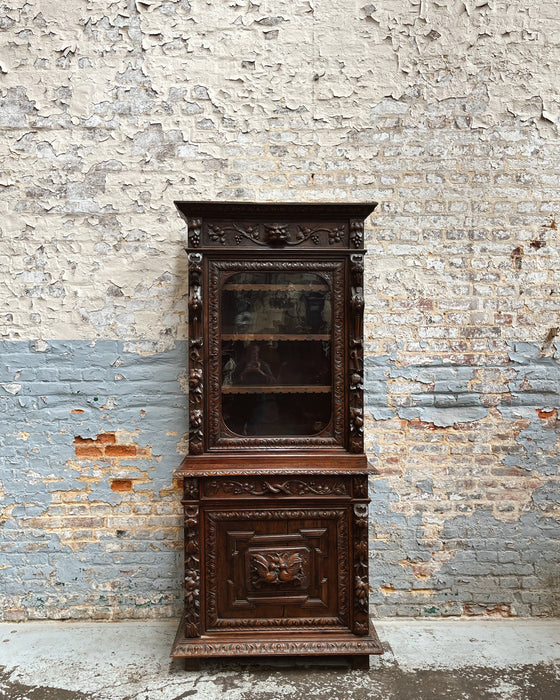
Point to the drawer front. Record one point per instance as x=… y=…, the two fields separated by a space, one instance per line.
x=277 y=568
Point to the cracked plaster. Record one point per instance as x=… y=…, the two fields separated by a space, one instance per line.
x=444 y=111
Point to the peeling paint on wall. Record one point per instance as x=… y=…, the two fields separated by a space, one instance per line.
x=90 y=516
x=444 y=111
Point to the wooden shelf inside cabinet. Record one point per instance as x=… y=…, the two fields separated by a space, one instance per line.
x=282 y=287
x=298 y=337
x=275 y=485
x=254 y=389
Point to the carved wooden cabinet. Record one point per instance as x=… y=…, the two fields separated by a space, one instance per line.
x=275 y=482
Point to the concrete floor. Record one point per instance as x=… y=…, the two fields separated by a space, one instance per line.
x=496 y=659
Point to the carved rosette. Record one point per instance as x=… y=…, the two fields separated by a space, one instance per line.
x=196 y=360
x=190 y=489
x=360 y=486
x=361 y=575
x=192 y=572
x=356 y=355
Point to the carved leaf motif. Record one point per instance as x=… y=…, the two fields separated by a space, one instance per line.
x=357 y=233
x=361 y=589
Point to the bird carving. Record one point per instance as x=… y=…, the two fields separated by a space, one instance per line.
x=276 y=568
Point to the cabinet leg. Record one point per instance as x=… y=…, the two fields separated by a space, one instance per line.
x=192 y=664
x=360 y=662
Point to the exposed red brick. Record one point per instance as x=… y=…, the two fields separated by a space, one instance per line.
x=121 y=485
x=544 y=414
x=421 y=425
x=120 y=451
x=88 y=451
x=509 y=471
x=503 y=610
x=83 y=441
x=107 y=438
x=76 y=410
x=15 y=615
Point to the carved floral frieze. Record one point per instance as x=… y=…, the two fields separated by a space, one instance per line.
x=269 y=234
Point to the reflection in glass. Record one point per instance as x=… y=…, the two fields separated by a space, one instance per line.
x=276 y=353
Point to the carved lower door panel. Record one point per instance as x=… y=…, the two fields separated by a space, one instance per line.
x=277 y=568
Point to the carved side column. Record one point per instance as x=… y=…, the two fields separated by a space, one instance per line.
x=361 y=569
x=196 y=363
x=192 y=558
x=356 y=368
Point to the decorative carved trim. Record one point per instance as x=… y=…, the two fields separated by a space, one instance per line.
x=196 y=363
x=331 y=623
x=192 y=572
x=360 y=486
x=242 y=471
x=357 y=233
x=333 y=274
x=356 y=355
x=366 y=646
x=276 y=569
x=301 y=514
x=324 y=486
x=243 y=442
x=361 y=578
x=212 y=519
x=194 y=227
x=273 y=234
x=190 y=489
x=338 y=355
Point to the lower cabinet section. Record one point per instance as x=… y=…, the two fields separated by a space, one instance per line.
x=276 y=567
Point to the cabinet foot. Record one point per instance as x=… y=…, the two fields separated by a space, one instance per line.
x=192 y=664
x=360 y=662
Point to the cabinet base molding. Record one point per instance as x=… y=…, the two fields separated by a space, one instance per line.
x=222 y=645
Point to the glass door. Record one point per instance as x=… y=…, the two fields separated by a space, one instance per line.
x=276 y=354
x=275 y=364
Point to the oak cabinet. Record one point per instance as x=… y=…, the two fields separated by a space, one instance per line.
x=275 y=482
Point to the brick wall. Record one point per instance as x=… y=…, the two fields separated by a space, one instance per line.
x=90 y=517
x=446 y=113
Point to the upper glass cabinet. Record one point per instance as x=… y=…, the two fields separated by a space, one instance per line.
x=275 y=358
x=275 y=314
x=276 y=369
